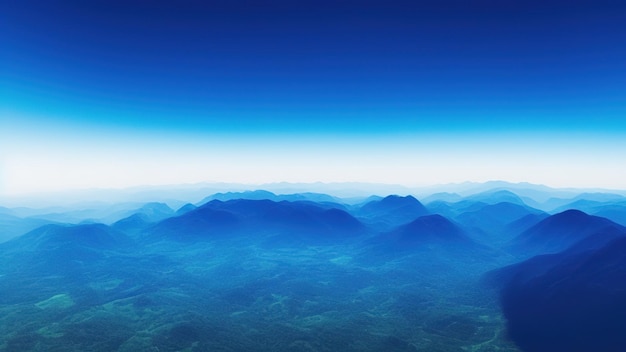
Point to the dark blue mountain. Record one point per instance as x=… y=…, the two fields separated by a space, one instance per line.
x=392 y=210
x=201 y=223
x=561 y=231
x=243 y=217
x=570 y=301
x=429 y=229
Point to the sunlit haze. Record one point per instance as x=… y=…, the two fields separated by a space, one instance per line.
x=115 y=95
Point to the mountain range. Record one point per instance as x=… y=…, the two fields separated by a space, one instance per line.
x=298 y=259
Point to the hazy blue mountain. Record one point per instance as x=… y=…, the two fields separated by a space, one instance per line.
x=132 y=224
x=12 y=226
x=610 y=206
x=392 y=210
x=496 y=196
x=452 y=210
x=583 y=201
x=245 y=217
x=493 y=219
x=442 y=196
x=601 y=197
x=155 y=211
x=310 y=196
x=586 y=205
x=185 y=209
x=88 y=212
x=266 y=195
x=561 y=231
x=251 y=195
x=96 y=236
x=143 y=217
x=616 y=213
x=65 y=250
x=539 y=193
x=571 y=301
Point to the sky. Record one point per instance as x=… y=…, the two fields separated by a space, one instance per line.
x=114 y=94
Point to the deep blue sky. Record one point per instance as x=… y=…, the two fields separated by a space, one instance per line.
x=346 y=69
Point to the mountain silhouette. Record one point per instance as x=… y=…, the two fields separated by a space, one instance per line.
x=426 y=229
x=561 y=231
x=244 y=217
x=570 y=301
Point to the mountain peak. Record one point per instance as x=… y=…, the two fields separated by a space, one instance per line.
x=429 y=228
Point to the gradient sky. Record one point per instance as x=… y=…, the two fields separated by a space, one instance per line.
x=123 y=93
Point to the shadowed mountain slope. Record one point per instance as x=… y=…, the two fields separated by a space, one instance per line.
x=570 y=301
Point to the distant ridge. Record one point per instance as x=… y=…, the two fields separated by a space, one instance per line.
x=266 y=195
x=496 y=196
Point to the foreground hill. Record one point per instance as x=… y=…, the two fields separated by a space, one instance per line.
x=570 y=301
